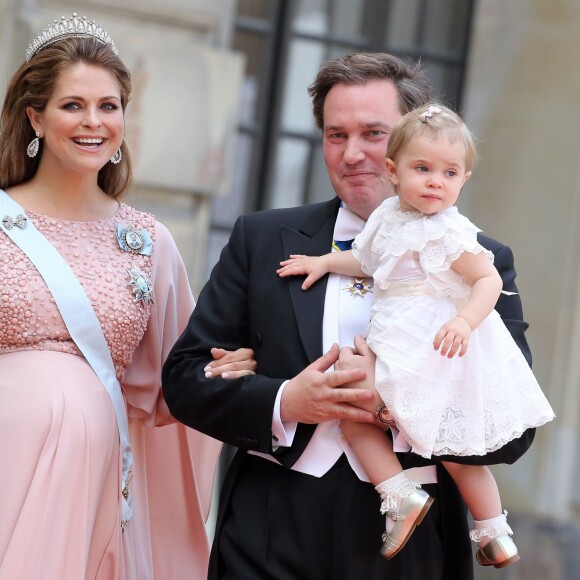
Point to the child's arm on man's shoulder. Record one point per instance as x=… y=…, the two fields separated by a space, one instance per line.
x=314 y=267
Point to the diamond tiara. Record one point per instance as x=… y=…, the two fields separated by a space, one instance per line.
x=69 y=27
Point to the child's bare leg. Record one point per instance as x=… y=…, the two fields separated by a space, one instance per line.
x=481 y=494
x=373 y=449
x=478 y=489
x=404 y=504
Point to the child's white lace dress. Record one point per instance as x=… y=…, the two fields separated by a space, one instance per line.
x=460 y=406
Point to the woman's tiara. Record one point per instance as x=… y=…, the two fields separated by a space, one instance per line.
x=69 y=27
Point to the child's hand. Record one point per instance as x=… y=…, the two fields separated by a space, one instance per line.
x=313 y=266
x=453 y=337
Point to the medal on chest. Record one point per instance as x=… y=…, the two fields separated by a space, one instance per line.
x=138 y=281
x=359 y=286
x=135 y=241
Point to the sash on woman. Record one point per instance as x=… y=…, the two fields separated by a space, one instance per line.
x=80 y=319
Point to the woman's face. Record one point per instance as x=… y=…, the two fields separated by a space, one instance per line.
x=83 y=123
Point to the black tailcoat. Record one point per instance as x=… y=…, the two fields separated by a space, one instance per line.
x=246 y=304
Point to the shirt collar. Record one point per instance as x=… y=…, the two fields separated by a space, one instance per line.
x=348 y=225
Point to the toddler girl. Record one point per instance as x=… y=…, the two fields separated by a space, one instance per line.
x=435 y=288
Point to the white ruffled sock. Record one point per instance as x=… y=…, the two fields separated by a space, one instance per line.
x=486 y=530
x=391 y=491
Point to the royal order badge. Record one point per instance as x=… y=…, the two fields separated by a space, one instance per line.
x=142 y=290
x=135 y=241
x=360 y=286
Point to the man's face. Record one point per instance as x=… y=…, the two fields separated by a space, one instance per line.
x=358 y=120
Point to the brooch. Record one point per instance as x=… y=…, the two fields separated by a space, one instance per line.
x=360 y=286
x=141 y=286
x=19 y=221
x=133 y=240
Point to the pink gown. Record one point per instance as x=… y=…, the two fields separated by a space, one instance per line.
x=59 y=443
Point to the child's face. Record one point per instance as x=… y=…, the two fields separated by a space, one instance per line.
x=428 y=175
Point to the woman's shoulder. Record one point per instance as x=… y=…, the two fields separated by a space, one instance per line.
x=134 y=216
x=143 y=220
x=163 y=235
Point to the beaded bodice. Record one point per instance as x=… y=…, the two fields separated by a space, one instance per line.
x=29 y=318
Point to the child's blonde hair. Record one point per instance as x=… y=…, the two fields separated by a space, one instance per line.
x=431 y=121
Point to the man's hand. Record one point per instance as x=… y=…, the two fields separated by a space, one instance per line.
x=231 y=364
x=363 y=358
x=315 y=396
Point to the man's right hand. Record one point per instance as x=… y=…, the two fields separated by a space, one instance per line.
x=362 y=357
x=315 y=396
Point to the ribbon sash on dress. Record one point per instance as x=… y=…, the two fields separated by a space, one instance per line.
x=80 y=319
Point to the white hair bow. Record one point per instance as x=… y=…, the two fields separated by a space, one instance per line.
x=429 y=113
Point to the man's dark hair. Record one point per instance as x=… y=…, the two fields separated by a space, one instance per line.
x=360 y=68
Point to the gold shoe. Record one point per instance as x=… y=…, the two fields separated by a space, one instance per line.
x=411 y=513
x=500 y=552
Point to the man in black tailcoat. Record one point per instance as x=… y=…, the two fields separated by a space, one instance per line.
x=295 y=504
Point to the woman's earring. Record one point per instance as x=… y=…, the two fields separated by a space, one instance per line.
x=32 y=149
x=117 y=157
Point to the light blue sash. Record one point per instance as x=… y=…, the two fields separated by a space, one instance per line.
x=79 y=317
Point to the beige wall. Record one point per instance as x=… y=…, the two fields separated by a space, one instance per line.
x=523 y=102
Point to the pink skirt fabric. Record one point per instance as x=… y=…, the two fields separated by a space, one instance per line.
x=59 y=488
x=60 y=481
